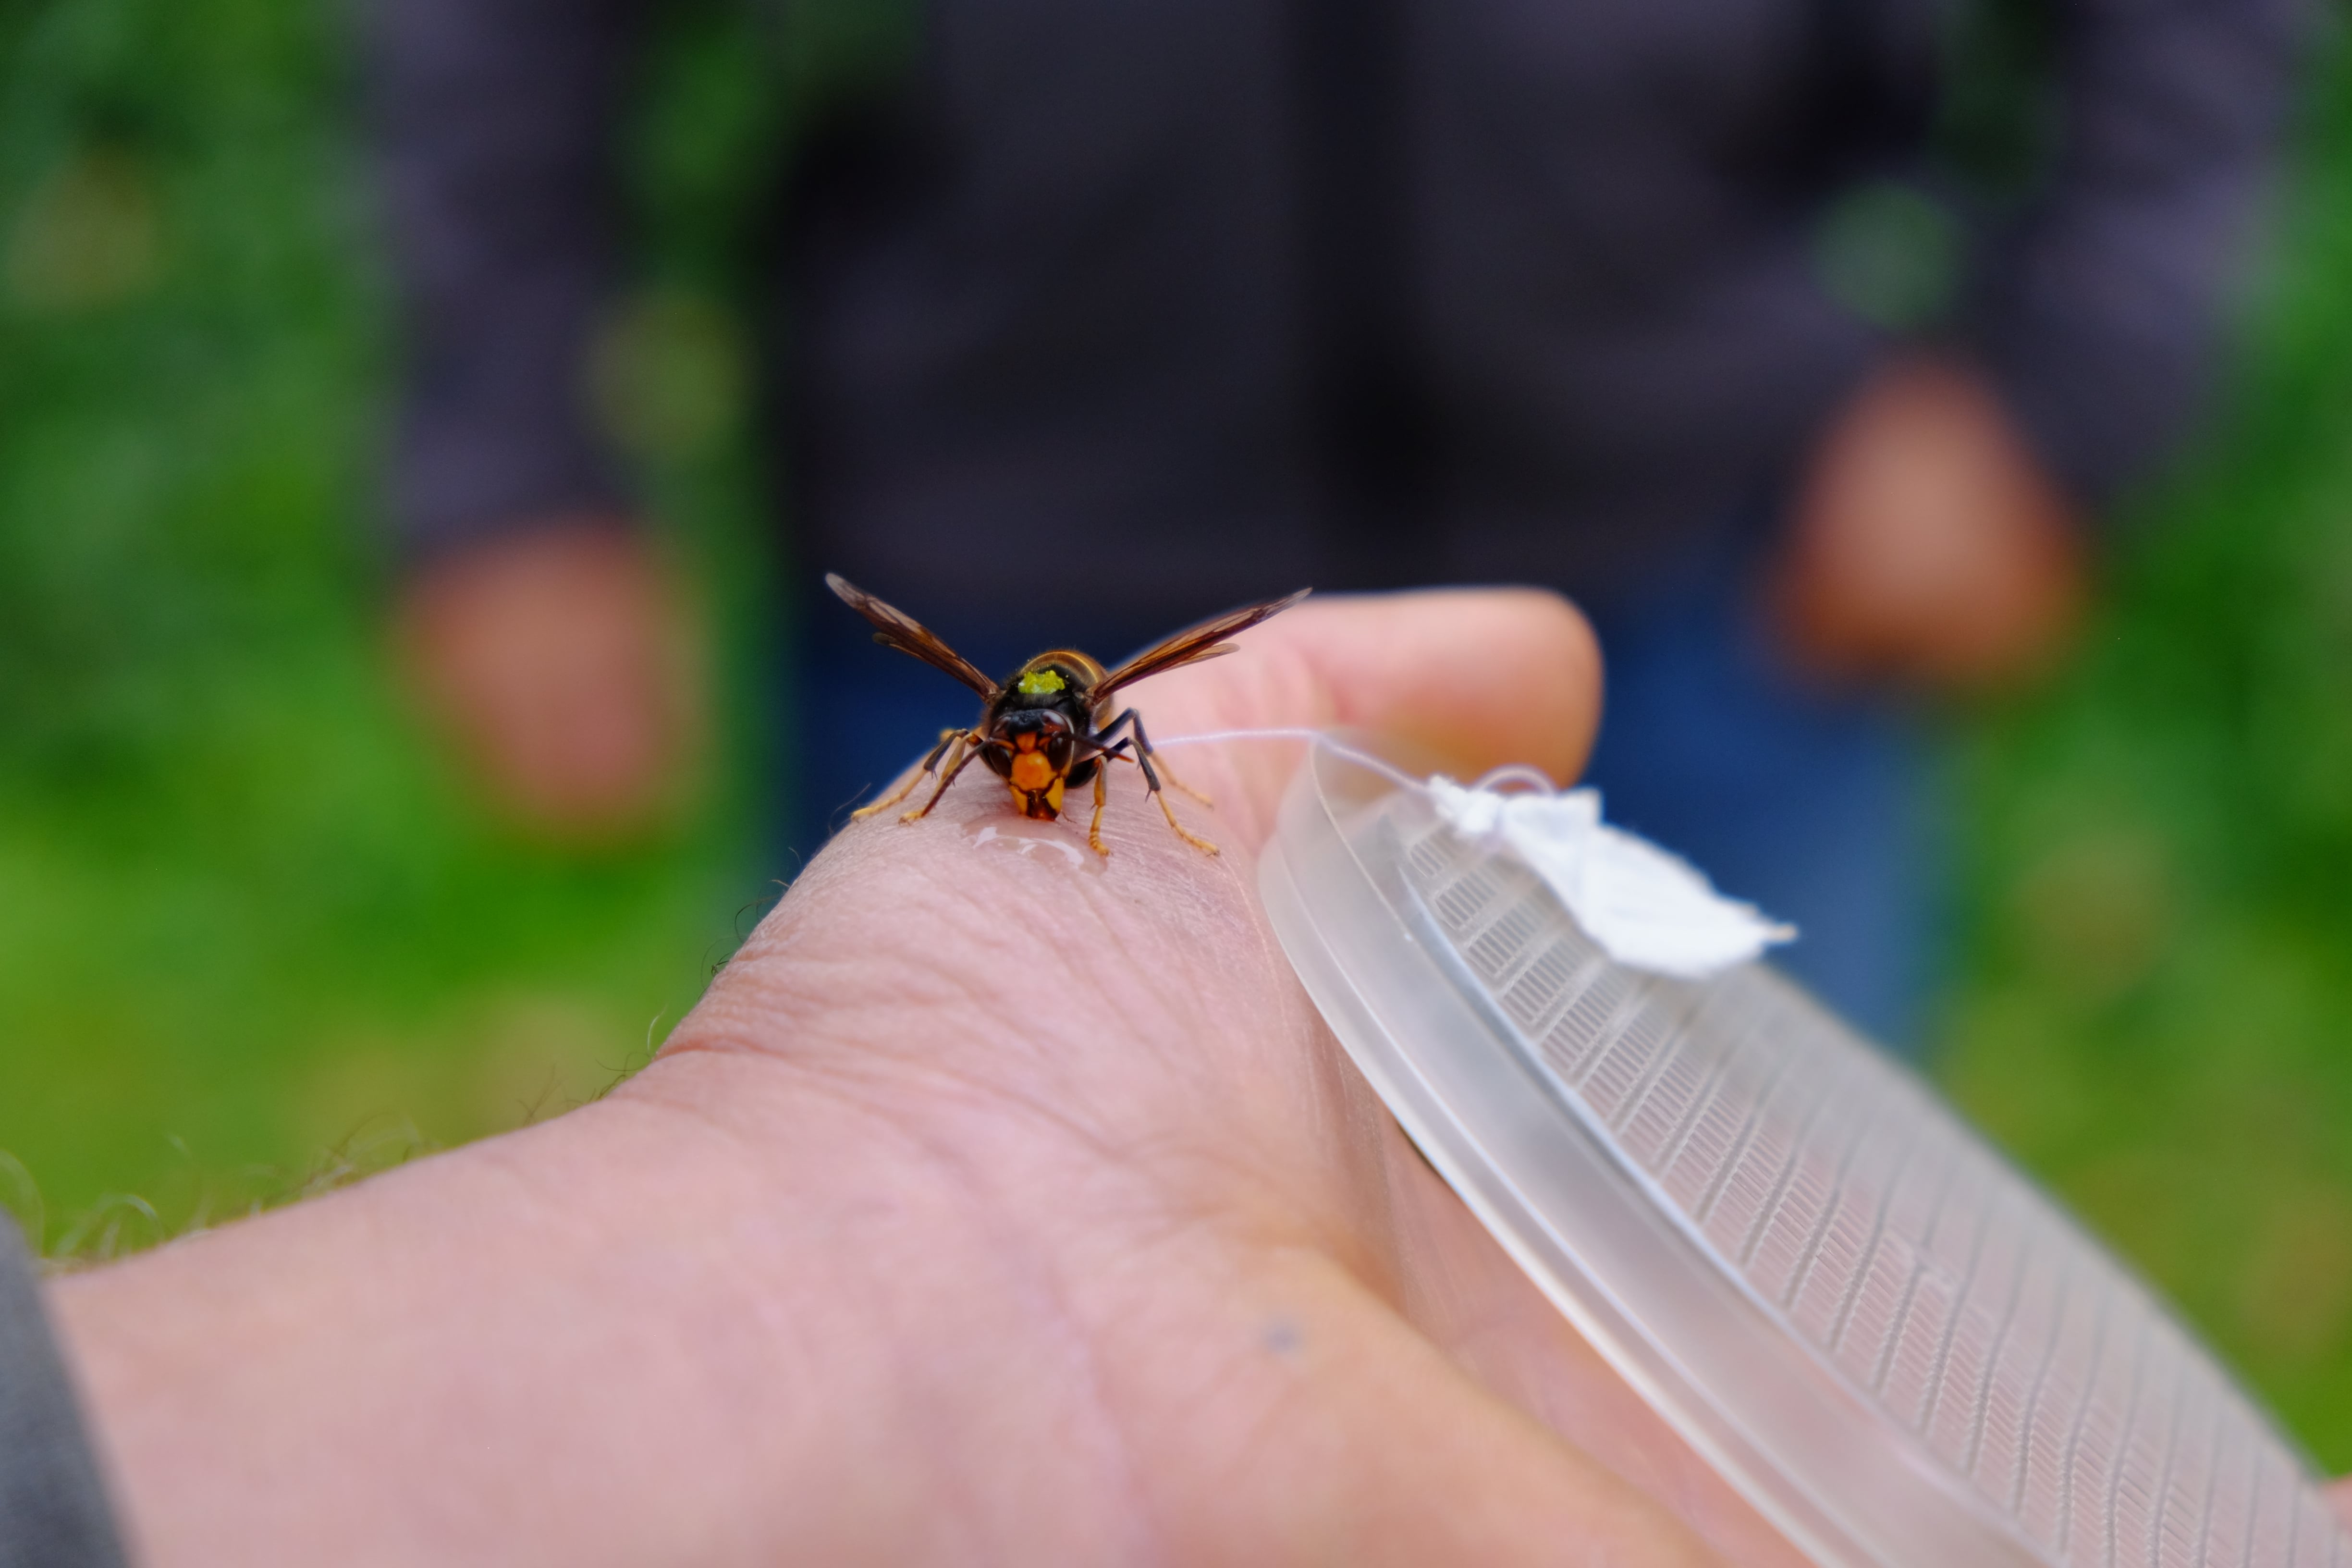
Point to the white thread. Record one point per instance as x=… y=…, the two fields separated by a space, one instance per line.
x=1647 y=908
x=1330 y=743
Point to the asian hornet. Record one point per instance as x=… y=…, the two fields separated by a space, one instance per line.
x=1049 y=728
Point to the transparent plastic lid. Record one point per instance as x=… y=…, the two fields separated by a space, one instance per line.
x=1894 y=1345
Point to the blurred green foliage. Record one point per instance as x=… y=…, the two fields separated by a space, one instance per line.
x=2154 y=1007
x=250 y=932
x=251 y=935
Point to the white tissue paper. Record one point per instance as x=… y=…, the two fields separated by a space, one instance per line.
x=1646 y=907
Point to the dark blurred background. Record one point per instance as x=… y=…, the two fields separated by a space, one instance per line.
x=255 y=934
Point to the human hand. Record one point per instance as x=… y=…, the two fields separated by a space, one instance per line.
x=1927 y=546
x=997 y=1204
x=561 y=662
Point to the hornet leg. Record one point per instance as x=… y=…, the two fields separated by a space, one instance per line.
x=1143 y=749
x=1143 y=756
x=1102 y=797
x=906 y=785
x=967 y=747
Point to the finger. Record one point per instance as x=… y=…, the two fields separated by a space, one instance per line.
x=1477 y=1305
x=1471 y=679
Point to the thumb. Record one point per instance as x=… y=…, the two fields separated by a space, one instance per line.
x=1472 y=678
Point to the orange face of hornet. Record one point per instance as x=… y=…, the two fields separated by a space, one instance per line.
x=1037 y=765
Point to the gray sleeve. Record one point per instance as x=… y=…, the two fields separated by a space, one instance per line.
x=2102 y=317
x=53 y=1506
x=494 y=122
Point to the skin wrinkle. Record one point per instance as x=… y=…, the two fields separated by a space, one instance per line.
x=879 y=1095
x=1149 y=1268
x=1146 y=1000
x=1236 y=1365
x=1149 y=1168
x=895 y=1086
x=968 y=1184
x=548 y=1210
x=1297 y=1417
x=1028 y=1273
x=985 y=914
x=874 y=1274
x=1053 y=1292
